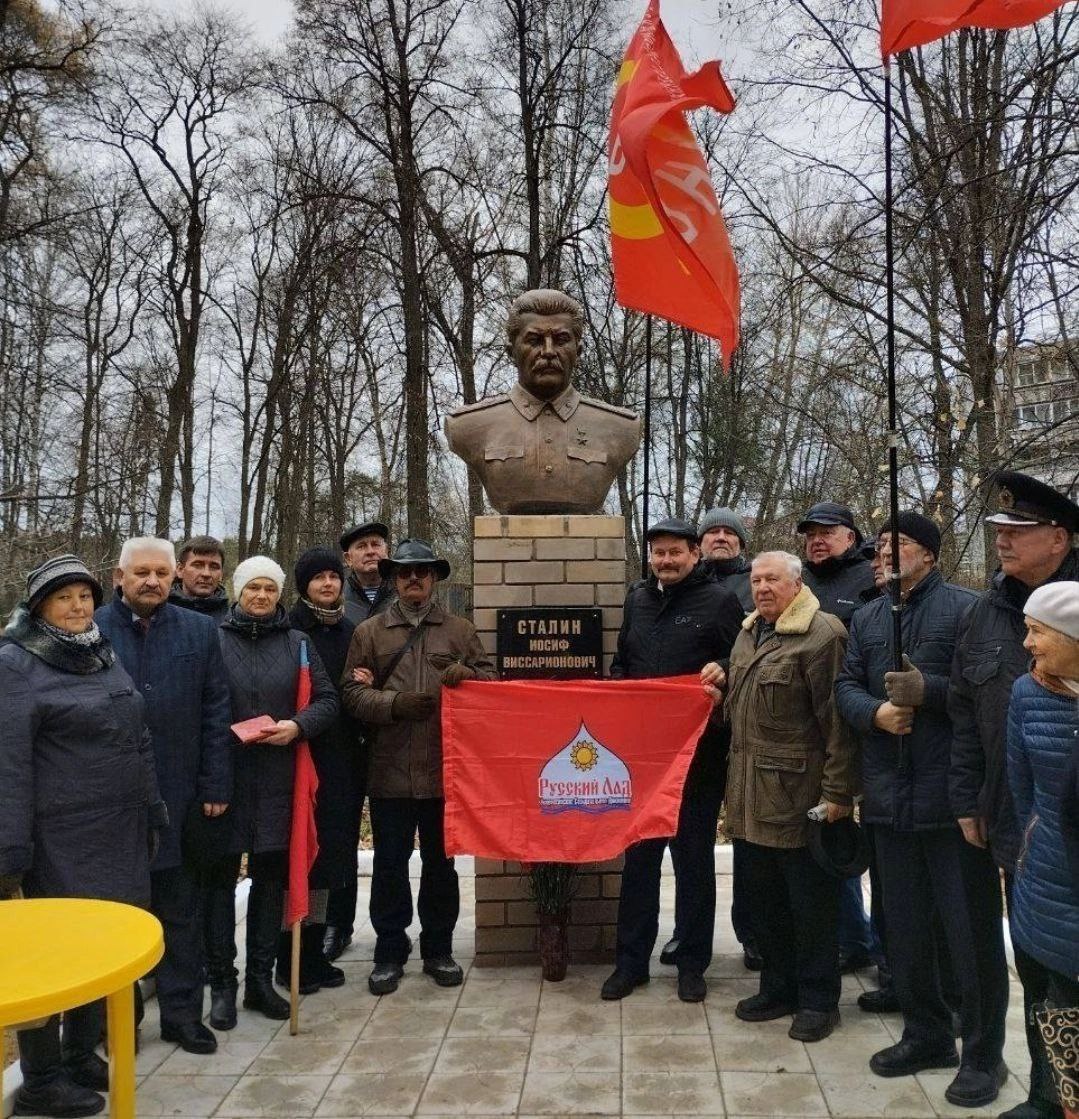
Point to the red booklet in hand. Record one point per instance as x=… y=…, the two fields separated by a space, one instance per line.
x=254 y=730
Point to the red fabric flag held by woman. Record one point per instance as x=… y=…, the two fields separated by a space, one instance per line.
x=905 y=24
x=303 y=839
x=672 y=256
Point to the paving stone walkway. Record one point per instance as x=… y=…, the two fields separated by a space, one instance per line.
x=508 y=1044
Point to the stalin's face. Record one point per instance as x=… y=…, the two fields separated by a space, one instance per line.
x=545 y=352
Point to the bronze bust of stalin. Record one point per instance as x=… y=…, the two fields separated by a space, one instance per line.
x=544 y=448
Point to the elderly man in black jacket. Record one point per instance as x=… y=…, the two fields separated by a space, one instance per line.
x=925 y=867
x=366 y=592
x=1035 y=529
x=675 y=622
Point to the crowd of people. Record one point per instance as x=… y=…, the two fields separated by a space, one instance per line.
x=123 y=777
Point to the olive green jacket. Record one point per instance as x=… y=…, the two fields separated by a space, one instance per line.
x=789 y=747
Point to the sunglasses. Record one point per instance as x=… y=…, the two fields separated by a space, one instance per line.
x=419 y=570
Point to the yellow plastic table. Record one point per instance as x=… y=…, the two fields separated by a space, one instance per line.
x=59 y=953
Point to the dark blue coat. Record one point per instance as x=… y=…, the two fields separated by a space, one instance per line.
x=76 y=781
x=177 y=669
x=839 y=583
x=918 y=798
x=989 y=658
x=1042 y=731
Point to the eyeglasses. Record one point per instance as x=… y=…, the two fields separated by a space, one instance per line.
x=419 y=570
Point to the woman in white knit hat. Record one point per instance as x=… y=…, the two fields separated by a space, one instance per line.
x=262 y=658
x=1043 y=724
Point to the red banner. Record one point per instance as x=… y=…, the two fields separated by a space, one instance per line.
x=303 y=839
x=905 y=24
x=671 y=253
x=569 y=771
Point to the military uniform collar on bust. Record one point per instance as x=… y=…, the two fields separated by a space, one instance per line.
x=529 y=406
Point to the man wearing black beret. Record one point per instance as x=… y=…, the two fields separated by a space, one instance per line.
x=1035 y=533
x=925 y=867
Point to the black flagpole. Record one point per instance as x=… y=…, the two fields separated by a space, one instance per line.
x=893 y=422
x=647 y=438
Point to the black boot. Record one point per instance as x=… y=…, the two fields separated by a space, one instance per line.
x=220 y=934
x=223 y=1007
x=47 y=1087
x=309 y=983
x=265 y=905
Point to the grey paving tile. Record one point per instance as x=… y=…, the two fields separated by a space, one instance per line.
x=397 y=1020
x=738 y=1052
x=649 y=1053
x=483 y=1054
x=283 y=1096
x=865 y=1096
x=663 y=1018
x=571 y=1093
x=470 y=1021
x=771 y=1093
x=359 y=1094
x=388 y=1055
x=676 y=1092
x=575 y=1017
x=557 y=1052
x=231 y=1059
x=844 y=1051
x=499 y=991
x=471 y=1093
x=190 y=1096
x=303 y=1055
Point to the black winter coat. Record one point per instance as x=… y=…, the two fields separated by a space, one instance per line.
x=357 y=607
x=76 y=778
x=676 y=632
x=989 y=658
x=838 y=583
x=214 y=606
x=340 y=756
x=262 y=663
x=917 y=798
x=734 y=575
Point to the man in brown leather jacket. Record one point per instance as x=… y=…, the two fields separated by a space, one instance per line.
x=410 y=652
x=790 y=751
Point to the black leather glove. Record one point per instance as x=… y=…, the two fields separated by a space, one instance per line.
x=455 y=673
x=10 y=885
x=412 y=707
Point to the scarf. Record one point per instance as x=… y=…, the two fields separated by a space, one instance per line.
x=327 y=616
x=239 y=621
x=80 y=653
x=415 y=616
x=208 y=604
x=1055 y=684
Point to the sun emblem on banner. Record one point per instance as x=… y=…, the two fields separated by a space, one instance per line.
x=584 y=755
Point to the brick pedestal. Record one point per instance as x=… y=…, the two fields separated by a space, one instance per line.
x=546 y=561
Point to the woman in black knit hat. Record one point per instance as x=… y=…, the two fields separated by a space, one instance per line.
x=340 y=761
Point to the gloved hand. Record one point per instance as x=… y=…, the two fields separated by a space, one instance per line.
x=153 y=843
x=10 y=884
x=412 y=707
x=455 y=673
x=906 y=688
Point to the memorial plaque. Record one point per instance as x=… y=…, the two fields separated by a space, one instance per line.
x=550 y=643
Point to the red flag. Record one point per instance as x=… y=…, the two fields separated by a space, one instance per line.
x=672 y=256
x=913 y=23
x=568 y=771
x=303 y=839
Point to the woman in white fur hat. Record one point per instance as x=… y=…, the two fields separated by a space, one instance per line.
x=262 y=658
x=1043 y=725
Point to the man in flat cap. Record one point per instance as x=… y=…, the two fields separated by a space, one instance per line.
x=366 y=592
x=544 y=448
x=1035 y=539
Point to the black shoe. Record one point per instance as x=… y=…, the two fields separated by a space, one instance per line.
x=260 y=995
x=223 y=1007
x=751 y=958
x=61 y=1097
x=384 y=978
x=91 y=1071
x=619 y=984
x=669 y=955
x=444 y=970
x=335 y=942
x=907 y=1057
x=762 y=1008
x=813 y=1025
x=308 y=984
x=1031 y=1109
x=882 y=1001
x=854 y=959
x=326 y=974
x=974 y=1088
x=691 y=986
x=192 y=1037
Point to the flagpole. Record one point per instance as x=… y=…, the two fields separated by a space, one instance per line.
x=893 y=410
x=294 y=983
x=647 y=438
